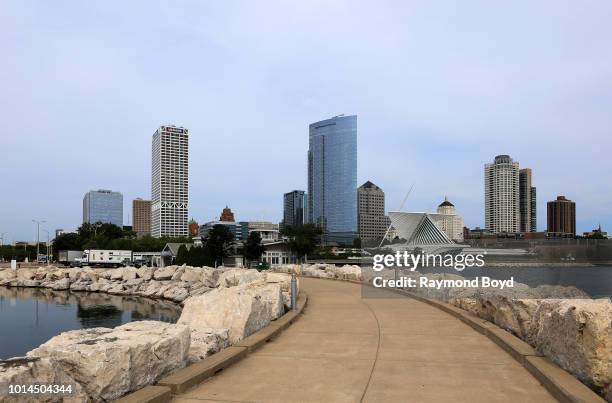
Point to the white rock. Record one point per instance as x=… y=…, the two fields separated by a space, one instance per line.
x=577 y=335
x=207 y=341
x=242 y=310
x=42 y=371
x=234 y=277
x=111 y=362
x=164 y=273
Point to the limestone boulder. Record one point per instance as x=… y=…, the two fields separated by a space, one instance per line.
x=242 y=310
x=207 y=341
x=7 y=274
x=42 y=371
x=234 y=277
x=145 y=273
x=117 y=274
x=164 y=273
x=284 y=280
x=26 y=274
x=176 y=293
x=129 y=273
x=109 y=363
x=178 y=273
x=577 y=335
x=58 y=285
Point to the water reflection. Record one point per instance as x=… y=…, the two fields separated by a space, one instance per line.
x=31 y=316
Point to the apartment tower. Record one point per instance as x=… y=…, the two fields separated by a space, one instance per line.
x=561 y=216
x=502 y=208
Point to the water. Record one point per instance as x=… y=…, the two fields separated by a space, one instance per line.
x=595 y=280
x=31 y=316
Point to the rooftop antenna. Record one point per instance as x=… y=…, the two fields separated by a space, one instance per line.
x=400 y=209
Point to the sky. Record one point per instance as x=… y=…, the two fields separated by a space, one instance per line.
x=439 y=88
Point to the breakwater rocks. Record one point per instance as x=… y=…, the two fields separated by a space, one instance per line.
x=221 y=306
x=562 y=323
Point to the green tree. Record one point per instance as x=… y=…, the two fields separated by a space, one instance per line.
x=66 y=242
x=199 y=256
x=182 y=255
x=218 y=242
x=303 y=239
x=253 y=248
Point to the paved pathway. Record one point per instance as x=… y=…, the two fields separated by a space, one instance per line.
x=346 y=348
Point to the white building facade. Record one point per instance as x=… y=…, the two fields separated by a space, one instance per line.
x=449 y=221
x=502 y=213
x=170 y=182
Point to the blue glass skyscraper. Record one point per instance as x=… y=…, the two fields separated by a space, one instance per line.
x=332 y=177
x=103 y=206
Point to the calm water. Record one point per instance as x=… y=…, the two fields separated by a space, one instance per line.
x=31 y=316
x=595 y=281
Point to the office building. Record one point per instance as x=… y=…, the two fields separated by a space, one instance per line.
x=170 y=182
x=502 y=212
x=561 y=216
x=527 y=201
x=141 y=213
x=371 y=219
x=233 y=227
x=103 y=206
x=449 y=221
x=269 y=232
x=294 y=208
x=332 y=178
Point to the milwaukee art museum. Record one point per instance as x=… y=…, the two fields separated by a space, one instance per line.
x=421 y=230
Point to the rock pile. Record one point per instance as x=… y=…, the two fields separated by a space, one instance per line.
x=221 y=306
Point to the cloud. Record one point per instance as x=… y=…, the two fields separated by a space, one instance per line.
x=440 y=88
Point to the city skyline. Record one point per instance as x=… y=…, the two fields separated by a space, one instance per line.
x=91 y=95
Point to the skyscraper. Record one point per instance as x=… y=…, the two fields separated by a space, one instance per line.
x=561 y=215
x=141 y=213
x=170 y=181
x=332 y=177
x=294 y=208
x=527 y=201
x=502 y=212
x=371 y=219
x=103 y=206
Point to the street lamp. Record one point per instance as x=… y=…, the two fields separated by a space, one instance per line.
x=47 y=245
x=38 y=237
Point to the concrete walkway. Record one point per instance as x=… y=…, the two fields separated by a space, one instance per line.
x=346 y=348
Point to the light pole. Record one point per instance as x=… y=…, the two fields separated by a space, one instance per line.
x=47 y=245
x=38 y=237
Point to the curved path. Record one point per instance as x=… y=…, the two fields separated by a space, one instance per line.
x=384 y=348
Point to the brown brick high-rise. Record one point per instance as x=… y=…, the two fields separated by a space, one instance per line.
x=141 y=213
x=561 y=214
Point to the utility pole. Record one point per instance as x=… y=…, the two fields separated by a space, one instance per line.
x=38 y=237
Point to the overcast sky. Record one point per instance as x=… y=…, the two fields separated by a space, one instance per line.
x=439 y=87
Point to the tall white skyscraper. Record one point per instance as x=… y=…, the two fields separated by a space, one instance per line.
x=502 y=212
x=170 y=182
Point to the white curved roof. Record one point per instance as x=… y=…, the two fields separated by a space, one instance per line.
x=419 y=228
